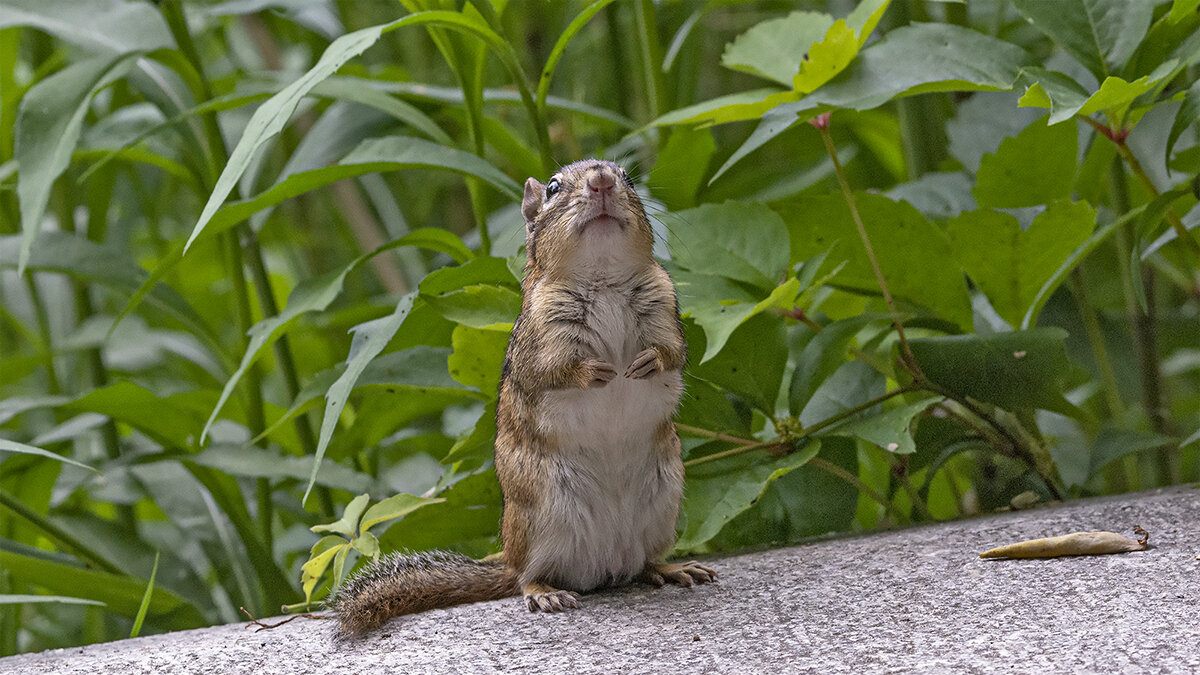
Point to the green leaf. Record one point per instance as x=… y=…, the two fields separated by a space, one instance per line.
x=389 y=153
x=1185 y=117
x=1011 y=266
x=719 y=490
x=1113 y=444
x=476 y=445
x=369 y=340
x=7 y=599
x=904 y=242
x=1180 y=9
x=47 y=129
x=250 y=461
x=394 y=507
x=316 y=294
x=823 y=354
x=775 y=49
x=1067 y=98
x=120 y=595
x=1037 y=166
x=1017 y=370
x=717 y=305
x=468 y=522
x=891 y=429
x=20 y=448
x=362 y=92
x=86 y=260
x=1100 y=34
x=752 y=363
x=865 y=17
x=103 y=26
x=321 y=554
x=744 y=241
x=827 y=58
x=161 y=419
x=915 y=59
x=480 y=293
x=141 y=615
x=743 y=105
x=347 y=525
x=682 y=163
x=706 y=406
x=478 y=354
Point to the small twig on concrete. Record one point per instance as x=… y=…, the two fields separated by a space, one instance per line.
x=267 y=626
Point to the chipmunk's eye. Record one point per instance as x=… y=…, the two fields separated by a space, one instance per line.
x=552 y=188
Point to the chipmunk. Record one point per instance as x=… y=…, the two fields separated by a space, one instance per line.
x=586 y=450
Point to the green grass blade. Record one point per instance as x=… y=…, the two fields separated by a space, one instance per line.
x=141 y=615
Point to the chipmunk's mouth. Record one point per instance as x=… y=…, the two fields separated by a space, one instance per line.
x=602 y=222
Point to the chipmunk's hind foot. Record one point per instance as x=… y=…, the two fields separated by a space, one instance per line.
x=683 y=574
x=540 y=597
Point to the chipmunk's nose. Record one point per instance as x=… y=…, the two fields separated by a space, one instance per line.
x=601 y=183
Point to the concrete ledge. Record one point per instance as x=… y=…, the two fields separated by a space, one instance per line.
x=916 y=600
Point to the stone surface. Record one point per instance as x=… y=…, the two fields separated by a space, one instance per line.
x=910 y=601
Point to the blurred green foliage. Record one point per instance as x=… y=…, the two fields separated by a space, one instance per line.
x=260 y=257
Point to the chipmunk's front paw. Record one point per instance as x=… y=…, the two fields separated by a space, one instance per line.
x=646 y=363
x=547 y=599
x=684 y=574
x=597 y=373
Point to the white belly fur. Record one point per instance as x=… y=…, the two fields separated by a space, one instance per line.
x=609 y=506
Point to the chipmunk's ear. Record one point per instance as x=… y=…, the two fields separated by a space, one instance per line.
x=531 y=203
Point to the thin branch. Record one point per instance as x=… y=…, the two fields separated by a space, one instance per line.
x=910 y=362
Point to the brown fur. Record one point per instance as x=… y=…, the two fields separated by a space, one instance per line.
x=408 y=583
x=549 y=350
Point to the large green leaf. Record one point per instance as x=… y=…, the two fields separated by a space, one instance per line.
x=744 y=241
x=272 y=116
x=104 y=26
x=248 y=461
x=1032 y=168
x=682 y=164
x=1067 y=98
x=390 y=153
x=369 y=340
x=775 y=49
x=47 y=129
x=719 y=490
x=821 y=357
x=1011 y=265
x=1112 y=444
x=477 y=356
x=122 y=595
x=915 y=59
x=167 y=422
x=314 y=295
x=1017 y=370
x=719 y=305
x=891 y=429
x=904 y=241
x=752 y=364
x=480 y=293
x=21 y=448
x=1100 y=34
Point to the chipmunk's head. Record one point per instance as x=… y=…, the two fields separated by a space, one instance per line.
x=587 y=214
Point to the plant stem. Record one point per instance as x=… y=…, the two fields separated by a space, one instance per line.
x=1091 y=325
x=731 y=452
x=910 y=362
x=1118 y=138
x=651 y=58
x=705 y=433
x=745 y=445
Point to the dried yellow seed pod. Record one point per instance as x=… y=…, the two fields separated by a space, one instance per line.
x=1076 y=543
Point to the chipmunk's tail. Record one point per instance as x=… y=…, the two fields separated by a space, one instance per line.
x=406 y=583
